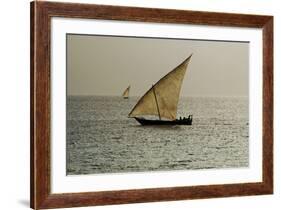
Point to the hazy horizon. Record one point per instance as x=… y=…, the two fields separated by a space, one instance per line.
x=106 y=65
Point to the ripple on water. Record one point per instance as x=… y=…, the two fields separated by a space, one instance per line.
x=102 y=139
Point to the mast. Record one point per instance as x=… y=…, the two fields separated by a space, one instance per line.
x=156 y=102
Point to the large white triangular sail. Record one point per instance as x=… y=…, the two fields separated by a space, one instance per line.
x=126 y=92
x=163 y=97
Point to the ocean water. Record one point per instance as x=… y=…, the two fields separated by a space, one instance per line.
x=102 y=139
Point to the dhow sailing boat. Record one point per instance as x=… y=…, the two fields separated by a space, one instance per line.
x=126 y=93
x=162 y=100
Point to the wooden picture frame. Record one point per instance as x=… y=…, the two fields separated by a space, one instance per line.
x=40 y=188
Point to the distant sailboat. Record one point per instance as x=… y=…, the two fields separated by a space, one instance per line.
x=126 y=93
x=162 y=100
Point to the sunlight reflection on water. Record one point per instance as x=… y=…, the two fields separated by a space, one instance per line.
x=102 y=139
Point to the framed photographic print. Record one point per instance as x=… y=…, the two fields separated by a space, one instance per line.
x=136 y=105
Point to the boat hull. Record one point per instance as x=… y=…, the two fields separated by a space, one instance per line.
x=185 y=121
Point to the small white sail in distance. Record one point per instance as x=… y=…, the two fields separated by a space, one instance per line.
x=126 y=92
x=163 y=97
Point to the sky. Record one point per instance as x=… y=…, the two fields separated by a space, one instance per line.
x=106 y=65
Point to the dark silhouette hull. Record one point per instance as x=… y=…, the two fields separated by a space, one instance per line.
x=185 y=121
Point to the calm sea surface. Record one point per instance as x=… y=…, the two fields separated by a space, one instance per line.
x=102 y=139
